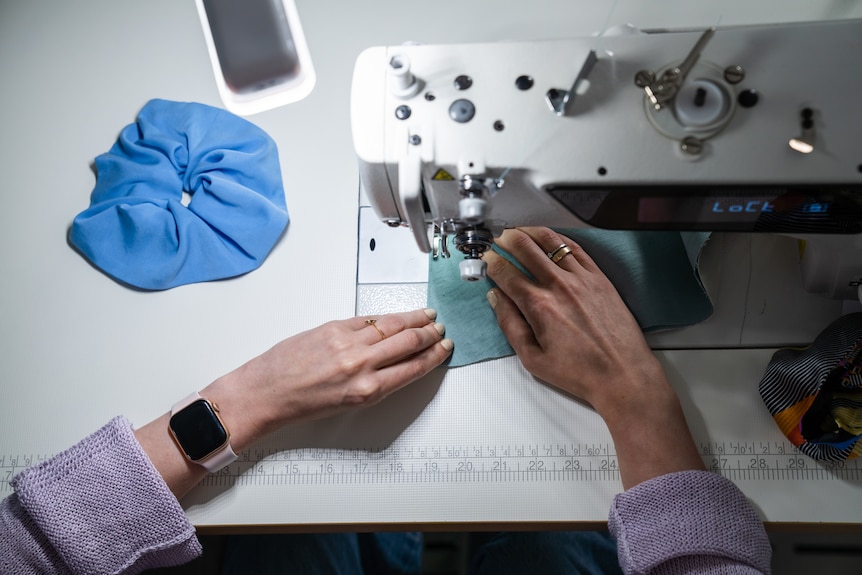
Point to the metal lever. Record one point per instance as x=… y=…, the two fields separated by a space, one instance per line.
x=662 y=90
x=559 y=101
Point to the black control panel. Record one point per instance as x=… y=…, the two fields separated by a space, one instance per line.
x=792 y=208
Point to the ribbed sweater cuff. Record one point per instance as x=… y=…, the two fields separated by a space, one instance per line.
x=104 y=508
x=687 y=517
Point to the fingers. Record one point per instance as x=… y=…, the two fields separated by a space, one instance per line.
x=405 y=356
x=374 y=329
x=518 y=332
x=528 y=252
x=407 y=343
x=549 y=240
x=533 y=248
x=401 y=373
x=395 y=337
x=397 y=321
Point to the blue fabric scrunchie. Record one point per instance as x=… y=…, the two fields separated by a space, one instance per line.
x=137 y=228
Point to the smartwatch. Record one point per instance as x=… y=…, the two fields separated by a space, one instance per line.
x=200 y=433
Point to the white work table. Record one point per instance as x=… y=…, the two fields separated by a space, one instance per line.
x=483 y=444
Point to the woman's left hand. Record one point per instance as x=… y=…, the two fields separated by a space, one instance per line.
x=334 y=367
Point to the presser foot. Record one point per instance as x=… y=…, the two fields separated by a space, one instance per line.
x=473 y=242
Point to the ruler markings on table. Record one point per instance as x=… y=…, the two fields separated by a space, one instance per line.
x=544 y=462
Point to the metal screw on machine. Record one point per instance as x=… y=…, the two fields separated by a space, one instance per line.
x=691 y=146
x=734 y=74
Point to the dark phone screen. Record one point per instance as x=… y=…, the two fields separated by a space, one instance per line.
x=253 y=41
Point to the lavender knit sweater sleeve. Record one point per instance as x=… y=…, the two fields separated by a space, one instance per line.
x=99 y=507
x=688 y=522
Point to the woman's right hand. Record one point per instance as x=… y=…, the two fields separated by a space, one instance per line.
x=570 y=328
x=568 y=324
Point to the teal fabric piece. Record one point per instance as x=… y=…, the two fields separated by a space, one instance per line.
x=654 y=272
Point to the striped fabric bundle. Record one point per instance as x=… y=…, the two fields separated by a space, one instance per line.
x=815 y=394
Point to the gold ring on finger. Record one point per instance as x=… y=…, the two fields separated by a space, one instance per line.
x=373 y=323
x=559 y=253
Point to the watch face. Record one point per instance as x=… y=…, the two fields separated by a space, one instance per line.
x=198 y=430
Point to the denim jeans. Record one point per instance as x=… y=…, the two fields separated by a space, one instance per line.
x=548 y=553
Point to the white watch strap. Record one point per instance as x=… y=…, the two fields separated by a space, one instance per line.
x=185 y=402
x=221 y=458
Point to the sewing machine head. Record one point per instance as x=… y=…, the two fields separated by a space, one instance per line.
x=742 y=129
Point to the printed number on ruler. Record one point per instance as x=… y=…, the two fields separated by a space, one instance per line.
x=11 y=465
x=773 y=460
x=432 y=464
x=738 y=461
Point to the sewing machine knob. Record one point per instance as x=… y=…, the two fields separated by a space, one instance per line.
x=472 y=210
x=700 y=103
x=404 y=84
x=462 y=111
x=473 y=269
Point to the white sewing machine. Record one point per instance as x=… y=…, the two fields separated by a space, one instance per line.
x=753 y=129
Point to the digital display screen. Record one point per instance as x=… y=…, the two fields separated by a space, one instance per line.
x=792 y=208
x=198 y=430
x=717 y=209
